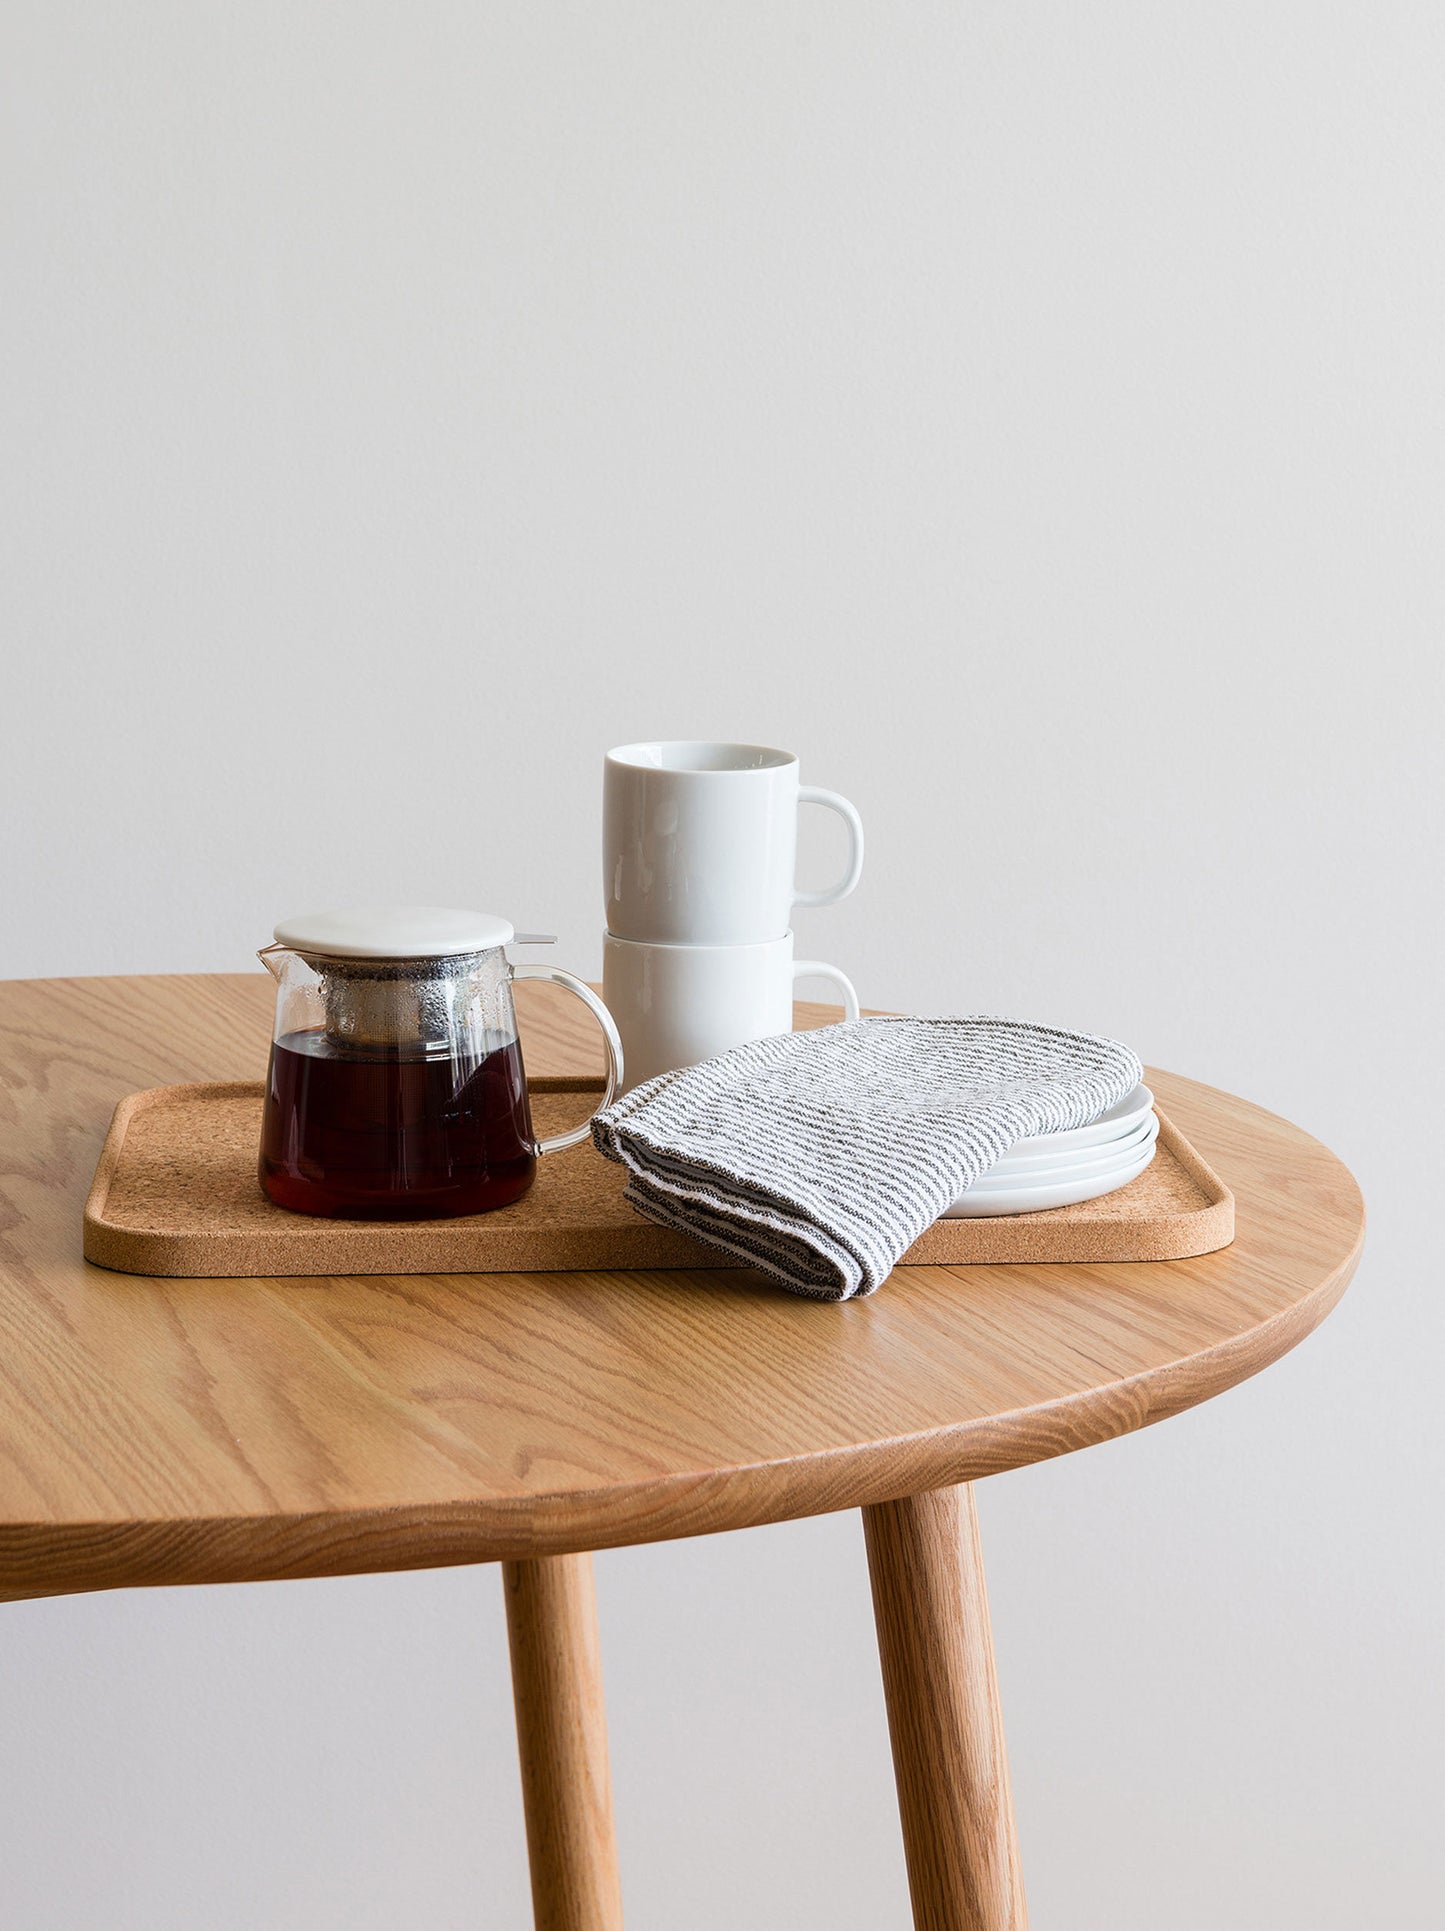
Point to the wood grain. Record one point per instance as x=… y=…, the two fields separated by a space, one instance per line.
x=164 y=1431
x=936 y=1648
x=562 y=1744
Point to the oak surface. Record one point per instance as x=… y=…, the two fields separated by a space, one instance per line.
x=164 y=1431
x=562 y=1744
x=935 y=1644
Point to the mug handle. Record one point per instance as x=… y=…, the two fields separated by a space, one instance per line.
x=555 y=1142
x=812 y=794
x=815 y=969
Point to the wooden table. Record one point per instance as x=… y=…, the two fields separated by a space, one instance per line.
x=183 y=1431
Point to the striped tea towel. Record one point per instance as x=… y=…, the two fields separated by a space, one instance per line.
x=821 y=1156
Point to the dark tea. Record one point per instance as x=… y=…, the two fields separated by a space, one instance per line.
x=394 y=1133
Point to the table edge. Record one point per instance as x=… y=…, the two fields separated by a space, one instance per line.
x=41 y=1560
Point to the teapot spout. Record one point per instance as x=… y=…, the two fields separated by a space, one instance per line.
x=270 y=956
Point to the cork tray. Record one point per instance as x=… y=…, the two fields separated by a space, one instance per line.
x=175 y=1192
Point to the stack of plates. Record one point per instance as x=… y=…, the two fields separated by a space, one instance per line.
x=1061 y=1169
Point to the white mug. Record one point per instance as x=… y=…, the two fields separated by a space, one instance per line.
x=699 y=842
x=677 y=1004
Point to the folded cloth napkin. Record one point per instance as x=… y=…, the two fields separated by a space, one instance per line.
x=822 y=1156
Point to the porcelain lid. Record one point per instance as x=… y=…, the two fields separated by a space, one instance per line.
x=394 y=932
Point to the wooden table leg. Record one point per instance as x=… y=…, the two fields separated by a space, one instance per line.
x=562 y=1742
x=931 y=1609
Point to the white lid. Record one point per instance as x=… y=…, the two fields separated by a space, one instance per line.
x=394 y=932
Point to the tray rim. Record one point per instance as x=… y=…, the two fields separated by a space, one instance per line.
x=150 y=1252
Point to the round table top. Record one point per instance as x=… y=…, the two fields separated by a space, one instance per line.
x=166 y=1431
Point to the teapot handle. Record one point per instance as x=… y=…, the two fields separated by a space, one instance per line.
x=556 y=1141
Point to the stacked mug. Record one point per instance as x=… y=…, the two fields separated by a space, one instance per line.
x=699 y=845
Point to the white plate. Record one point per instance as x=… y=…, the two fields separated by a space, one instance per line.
x=1076 y=1161
x=1081 y=1160
x=1128 y=1112
x=1093 y=1139
x=1032 y=1200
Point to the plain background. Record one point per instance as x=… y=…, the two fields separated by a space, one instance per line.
x=1032 y=415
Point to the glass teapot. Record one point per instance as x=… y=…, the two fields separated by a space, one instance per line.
x=396 y=1088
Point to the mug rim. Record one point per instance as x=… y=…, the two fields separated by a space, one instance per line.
x=765 y=757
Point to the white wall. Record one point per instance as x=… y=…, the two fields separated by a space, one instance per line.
x=1033 y=415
